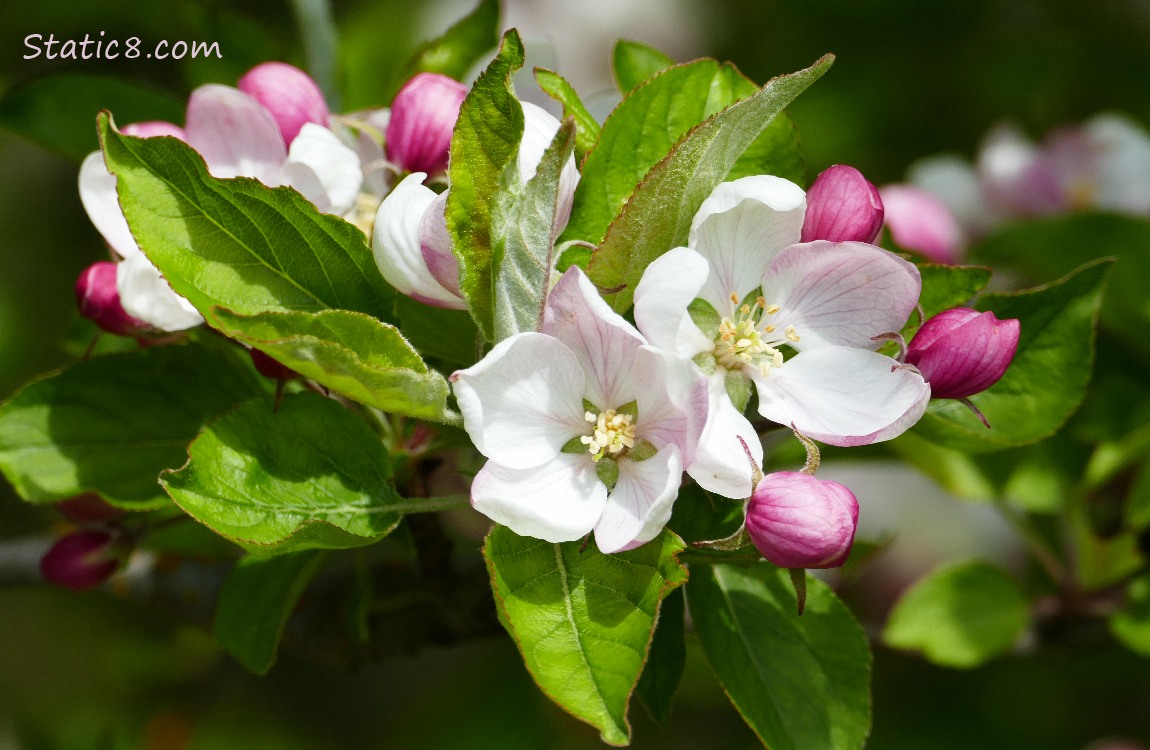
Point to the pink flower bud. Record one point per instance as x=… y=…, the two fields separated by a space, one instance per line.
x=842 y=207
x=289 y=94
x=270 y=368
x=154 y=128
x=423 y=115
x=921 y=222
x=798 y=521
x=99 y=301
x=88 y=509
x=80 y=560
x=961 y=352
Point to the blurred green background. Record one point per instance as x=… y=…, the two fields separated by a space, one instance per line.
x=912 y=79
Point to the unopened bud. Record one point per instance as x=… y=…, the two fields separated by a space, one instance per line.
x=842 y=206
x=88 y=509
x=99 y=301
x=154 y=128
x=921 y=222
x=81 y=560
x=961 y=352
x=289 y=94
x=423 y=116
x=798 y=521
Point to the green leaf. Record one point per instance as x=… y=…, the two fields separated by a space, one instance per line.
x=587 y=129
x=800 y=682
x=485 y=141
x=1048 y=377
x=111 y=424
x=58 y=110
x=1131 y=624
x=236 y=243
x=311 y=475
x=658 y=215
x=256 y=600
x=944 y=287
x=666 y=661
x=633 y=63
x=350 y=353
x=961 y=615
x=523 y=249
x=448 y=335
x=583 y=620
x=463 y=45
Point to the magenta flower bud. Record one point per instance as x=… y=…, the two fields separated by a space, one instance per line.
x=154 y=128
x=81 y=560
x=921 y=222
x=289 y=94
x=842 y=207
x=423 y=115
x=961 y=352
x=88 y=509
x=99 y=301
x=798 y=521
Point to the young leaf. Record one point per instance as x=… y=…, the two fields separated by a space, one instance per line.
x=111 y=424
x=959 y=616
x=658 y=214
x=1047 y=379
x=460 y=47
x=583 y=620
x=236 y=243
x=351 y=353
x=485 y=141
x=310 y=475
x=668 y=657
x=634 y=62
x=256 y=600
x=587 y=129
x=522 y=222
x=799 y=682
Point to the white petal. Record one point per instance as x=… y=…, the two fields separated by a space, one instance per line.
x=523 y=401
x=952 y=180
x=668 y=286
x=144 y=294
x=721 y=466
x=235 y=134
x=1123 y=182
x=559 y=501
x=336 y=165
x=603 y=341
x=539 y=129
x=98 y=194
x=640 y=505
x=396 y=246
x=671 y=401
x=843 y=396
x=740 y=228
x=841 y=293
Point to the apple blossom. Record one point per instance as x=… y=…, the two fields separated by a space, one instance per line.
x=585 y=427
x=797 y=521
x=921 y=222
x=962 y=352
x=842 y=206
x=99 y=301
x=290 y=95
x=423 y=115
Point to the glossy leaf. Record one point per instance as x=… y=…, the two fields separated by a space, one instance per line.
x=959 y=616
x=236 y=243
x=587 y=129
x=664 y=669
x=463 y=45
x=351 y=353
x=583 y=620
x=945 y=287
x=111 y=424
x=658 y=215
x=634 y=62
x=310 y=475
x=799 y=682
x=256 y=600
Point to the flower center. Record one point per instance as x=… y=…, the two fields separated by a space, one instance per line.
x=745 y=340
x=613 y=435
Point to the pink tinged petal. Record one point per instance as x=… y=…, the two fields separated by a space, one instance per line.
x=740 y=229
x=962 y=352
x=99 y=301
x=560 y=501
x=672 y=401
x=843 y=396
x=840 y=293
x=668 y=286
x=921 y=222
x=1017 y=177
x=146 y=296
x=640 y=504
x=154 y=128
x=98 y=194
x=523 y=401
x=334 y=165
x=80 y=560
x=289 y=95
x=396 y=244
x=235 y=135
x=435 y=244
x=539 y=129
x=603 y=342
x=367 y=128
x=842 y=206
x=798 y=521
x=423 y=116
x=720 y=465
